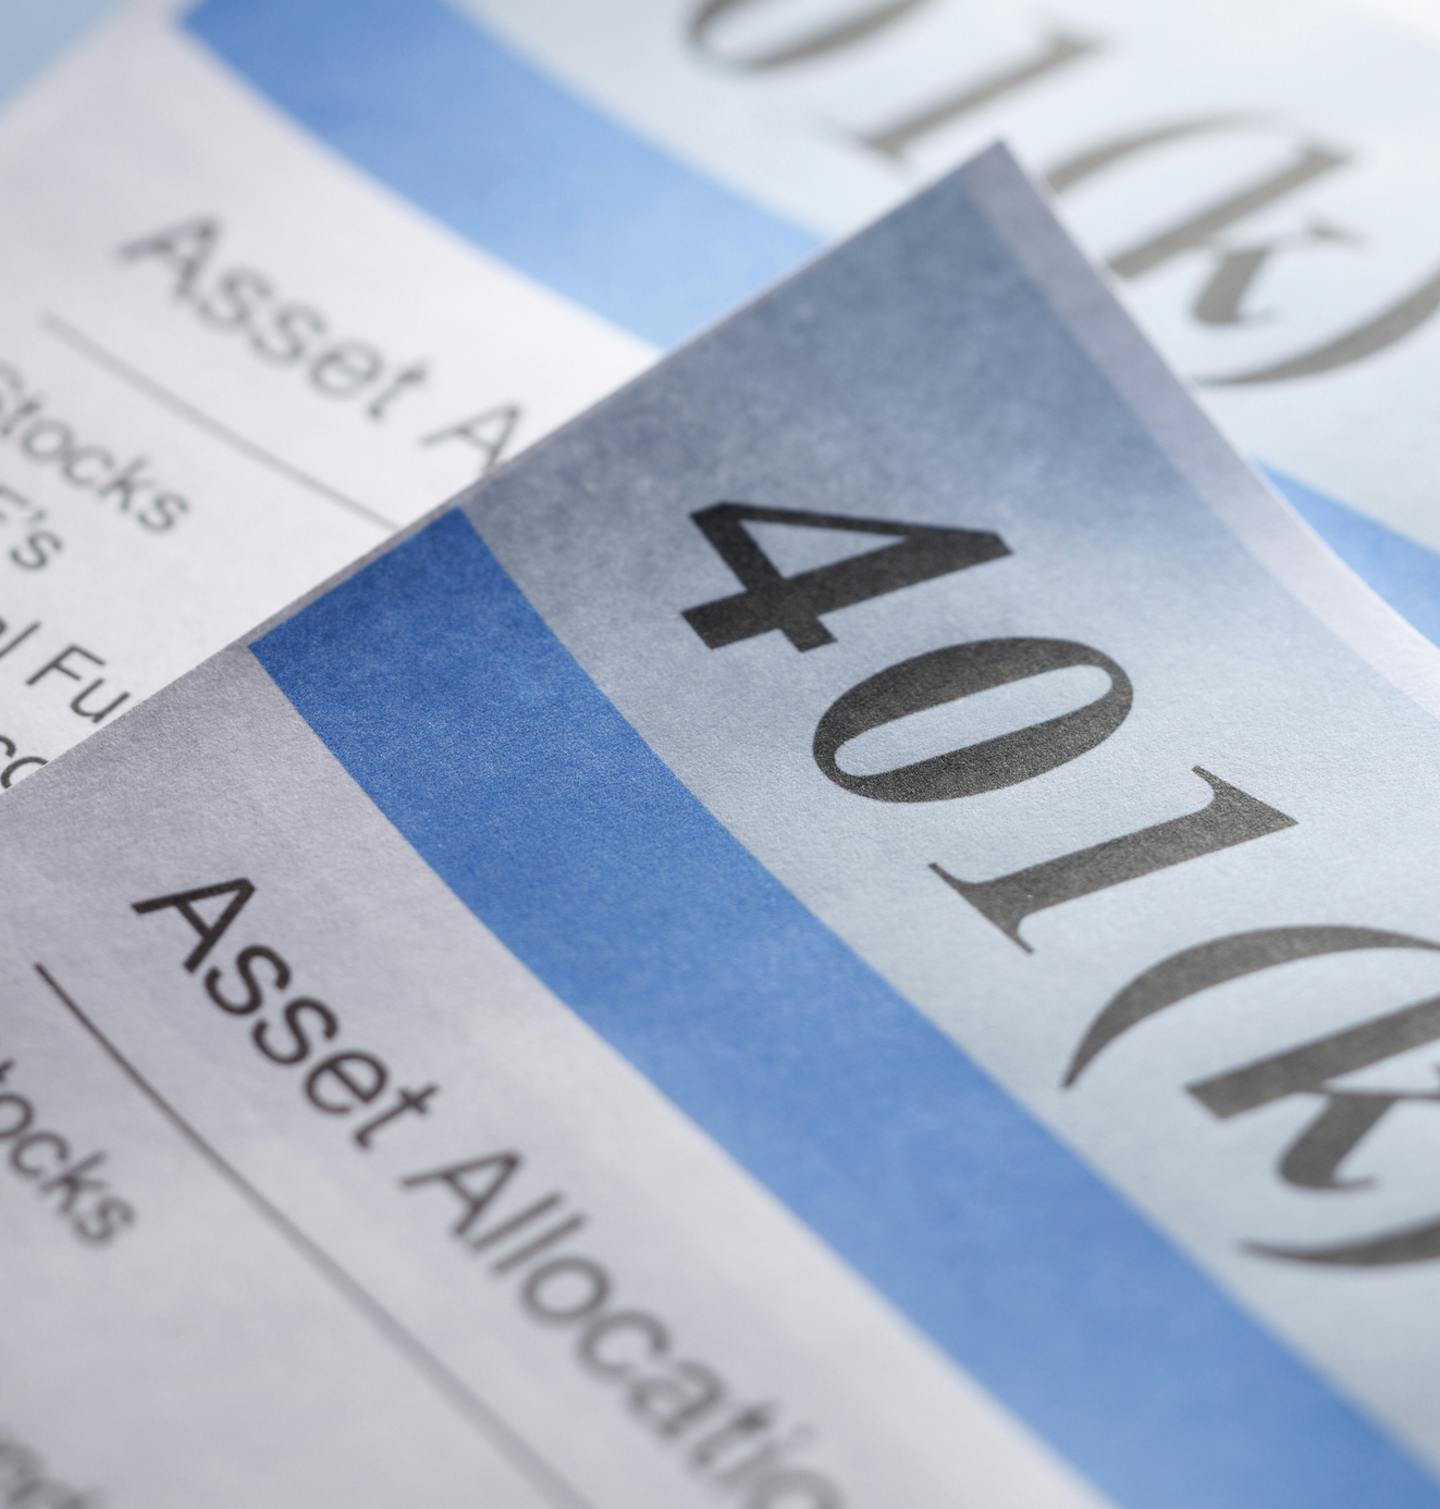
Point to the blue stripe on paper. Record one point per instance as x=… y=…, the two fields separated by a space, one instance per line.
x=1405 y=574
x=32 y=35
x=431 y=104
x=442 y=692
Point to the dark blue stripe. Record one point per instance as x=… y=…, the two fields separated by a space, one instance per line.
x=446 y=697
x=436 y=108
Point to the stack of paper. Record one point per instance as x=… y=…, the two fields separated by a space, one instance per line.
x=852 y=929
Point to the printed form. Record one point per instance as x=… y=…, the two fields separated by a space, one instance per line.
x=855 y=930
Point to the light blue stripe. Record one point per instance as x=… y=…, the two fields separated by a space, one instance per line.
x=1405 y=574
x=436 y=108
x=34 y=32
x=450 y=702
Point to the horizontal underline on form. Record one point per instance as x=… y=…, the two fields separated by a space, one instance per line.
x=521 y=1455
x=118 y=367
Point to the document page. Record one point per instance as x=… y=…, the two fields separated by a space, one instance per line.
x=855 y=929
x=1256 y=178
x=282 y=274
x=230 y=365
